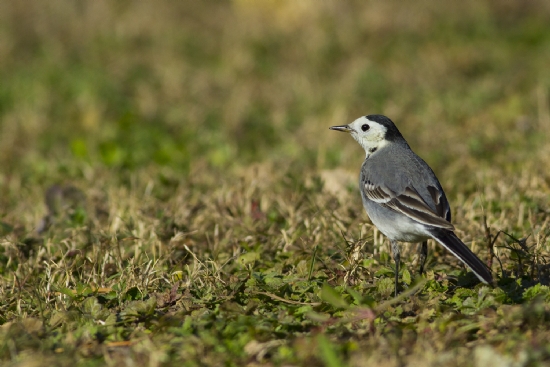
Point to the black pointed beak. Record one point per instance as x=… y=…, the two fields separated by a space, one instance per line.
x=342 y=128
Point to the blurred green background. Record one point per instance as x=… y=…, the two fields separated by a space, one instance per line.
x=170 y=156
x=211 y=85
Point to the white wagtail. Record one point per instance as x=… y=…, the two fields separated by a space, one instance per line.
x=402 y=196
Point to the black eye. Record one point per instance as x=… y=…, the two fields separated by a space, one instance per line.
x=365 y=127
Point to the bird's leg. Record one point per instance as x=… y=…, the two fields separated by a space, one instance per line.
x=422 y=255
x=397 y=259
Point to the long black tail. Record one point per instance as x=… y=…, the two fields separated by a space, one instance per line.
x=452 y=243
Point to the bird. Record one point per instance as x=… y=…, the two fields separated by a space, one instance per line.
x=403 y=197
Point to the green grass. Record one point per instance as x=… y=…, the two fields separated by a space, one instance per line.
x=171 y=193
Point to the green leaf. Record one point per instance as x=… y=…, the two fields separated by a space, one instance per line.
x=357 y=297
x=331 y=296
x=248 y=258
x=385 y=286
x=406 y=277
x=66 y=291
x=384 y=271
x=133 y=294
x=312 y=263
x=367 y=263
x=328 y=352
x=92 y=307
x=535 y=291
x=139 y=309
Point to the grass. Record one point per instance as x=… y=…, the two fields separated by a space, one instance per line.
x=171 y=193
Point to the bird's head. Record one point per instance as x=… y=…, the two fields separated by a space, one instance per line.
x=372 y=132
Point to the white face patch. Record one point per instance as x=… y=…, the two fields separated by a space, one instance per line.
x=369 y=134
